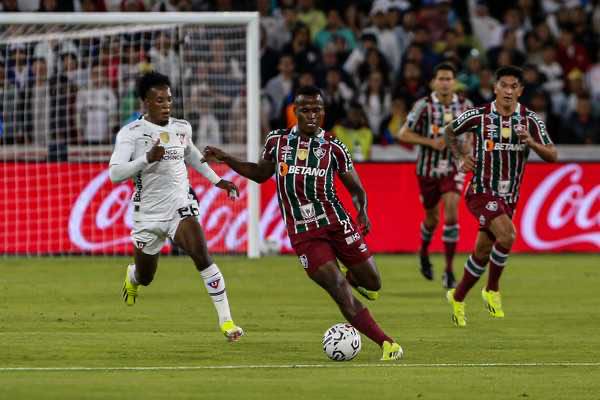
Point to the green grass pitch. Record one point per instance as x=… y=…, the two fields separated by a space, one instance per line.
x=67 y=314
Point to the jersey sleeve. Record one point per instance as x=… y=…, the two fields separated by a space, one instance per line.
x=124 y=147
x=268 y=153
x=416 y=117
x=467 y=121
x=341 y=156
x=537 y=129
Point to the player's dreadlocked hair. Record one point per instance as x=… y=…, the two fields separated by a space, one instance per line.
x=148 y=81
x=310 y=90
x=510 y=70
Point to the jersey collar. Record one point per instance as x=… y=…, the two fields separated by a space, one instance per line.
x=517 y=108
x=294 y=133
x=435 y=98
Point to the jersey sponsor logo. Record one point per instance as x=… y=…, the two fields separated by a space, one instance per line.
x=308 y=211
x=164 y=137
x=492 y=206
x=319 y=152
x=286 y=153
x=310 y=171
x=173 y=154
x=466 y=115
x=283 y=168
x=304 y=261
x=490 y=145
x=302 y=154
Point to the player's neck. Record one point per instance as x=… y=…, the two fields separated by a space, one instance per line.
x=506 y=110
x=148 y=118
x=445 y=99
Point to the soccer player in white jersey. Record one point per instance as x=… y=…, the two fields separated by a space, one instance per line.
x=154 y=151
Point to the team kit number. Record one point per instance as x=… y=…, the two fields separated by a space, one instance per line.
x=188 y=211
x=347 y=226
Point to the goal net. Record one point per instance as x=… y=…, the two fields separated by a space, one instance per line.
x=68 y=85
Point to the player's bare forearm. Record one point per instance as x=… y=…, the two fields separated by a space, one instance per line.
x=547 y=152
x=452 y=143
x=352 y=183
x=407 y=135
x=258 y=172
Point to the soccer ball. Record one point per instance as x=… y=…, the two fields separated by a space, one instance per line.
x=341 y=342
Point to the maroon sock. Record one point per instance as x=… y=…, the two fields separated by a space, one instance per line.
x=498 y=258
x=367 y=326
x=449 y=249
x=473 y=270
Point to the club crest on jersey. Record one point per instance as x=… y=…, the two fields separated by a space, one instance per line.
x=304 y=261
x=302 y=154
x=319 y=152
x=491 y=206
x=283 y=169
x=214 y=284
x=164 y=137
x=139 y=244
x=181 y=137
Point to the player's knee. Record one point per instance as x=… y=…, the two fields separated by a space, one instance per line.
x=432 y=220
x=507 y=238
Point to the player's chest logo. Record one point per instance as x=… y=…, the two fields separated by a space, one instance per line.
x=506 y=130
x=302 y=154
x=285 y=153
x=164 y=137
x=319 y=152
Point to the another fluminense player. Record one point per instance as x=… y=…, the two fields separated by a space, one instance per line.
x=436 y=171
x=504 y=132
x=305 y=160
x=153 y=151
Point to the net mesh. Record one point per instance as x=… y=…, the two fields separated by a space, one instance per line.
x=66 y=91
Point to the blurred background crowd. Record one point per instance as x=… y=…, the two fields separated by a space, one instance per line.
x=372 y=59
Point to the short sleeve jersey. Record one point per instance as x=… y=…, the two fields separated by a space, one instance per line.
x=305 y=171
x=161 y=188
x=500 y=156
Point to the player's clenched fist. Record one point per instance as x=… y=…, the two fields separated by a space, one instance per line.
x=156 y=153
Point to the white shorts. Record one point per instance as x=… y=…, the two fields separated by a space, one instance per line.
x=150 y=236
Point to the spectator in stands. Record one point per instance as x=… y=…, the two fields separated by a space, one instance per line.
x=390 y=126
x=487 y=29
x=311 y=17
x=469 y=75
x=97 y=117
x=19 y=72
x=306 y=55
x=10 y=6
x=507 y=53
x=355 y=133
x=278 y=88
x=386 y=37
x=39 y=103
x=434 y=18
x=412 y=84
x=485 y=92
x=575 y=89
x=395 y=20
x=132 y=6
x=534 y=49
x=376 y=100
x=269 y=58
x=532 y=82
x=593 y=80
x=335 y=28
x=582 y=127
x=165 y=59
x=553 y=77
x=422 y=39
x=357 y=57
x=451 y=49
x=336 y=95
x=352 y=19
x=513 y=22
x=273 y=25
x=571 y=54
x=288 y=20
x=374 y=62
x=540 y=104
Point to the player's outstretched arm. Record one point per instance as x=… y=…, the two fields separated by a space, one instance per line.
x=194 y=158
x=466 y=161
x=257 y=172
x=407 y=135
x=352 y=183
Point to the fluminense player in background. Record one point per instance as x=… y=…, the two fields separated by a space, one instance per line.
x=436 y=171
x=504 y=132
x=153 y=151
x=305 y=160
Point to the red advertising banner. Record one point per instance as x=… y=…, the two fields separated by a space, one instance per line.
x=74 y=208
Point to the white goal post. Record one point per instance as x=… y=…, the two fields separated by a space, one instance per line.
x=19 y=28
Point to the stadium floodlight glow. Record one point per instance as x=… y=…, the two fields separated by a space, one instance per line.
x=211 y=58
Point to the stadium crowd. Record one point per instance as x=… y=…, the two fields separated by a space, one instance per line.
x=372 y=60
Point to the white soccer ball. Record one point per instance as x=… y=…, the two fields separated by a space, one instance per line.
x=341 y=342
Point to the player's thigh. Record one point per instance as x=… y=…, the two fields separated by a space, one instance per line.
x=483 y=245
x=315 y=253
x=451 y=200
x=190 y=237
x=430 y=193
x=148 y=239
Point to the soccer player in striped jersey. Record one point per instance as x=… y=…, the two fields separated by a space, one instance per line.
x=305 y=160
x=436 y=171
x=504 y=132
x=153 y=151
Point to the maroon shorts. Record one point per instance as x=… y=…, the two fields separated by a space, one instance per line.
x=319 y=246
x=432 y=189
x=485 y=207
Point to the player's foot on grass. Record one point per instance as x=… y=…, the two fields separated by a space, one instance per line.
x=232 y=332
x=448 y=280
x=130 y=291
x=493 y=303
x=391 y=351
x=426 y=267
x=366 y=293
x=458 y=309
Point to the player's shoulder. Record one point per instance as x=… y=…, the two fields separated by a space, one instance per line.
x=422 y=102
x=180 y=122
x=465 y=102
x=276 y=133
x=532 y=114
x=334 y=140
x=132 y=128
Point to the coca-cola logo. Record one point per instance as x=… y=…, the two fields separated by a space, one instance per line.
x=564 y=209
x=111 y=216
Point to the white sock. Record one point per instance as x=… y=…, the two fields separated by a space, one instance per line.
x=215 y=286
x=131 y=273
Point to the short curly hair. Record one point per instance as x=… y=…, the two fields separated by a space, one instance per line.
x=148 y=81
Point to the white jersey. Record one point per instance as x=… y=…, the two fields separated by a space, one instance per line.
x=161 y=188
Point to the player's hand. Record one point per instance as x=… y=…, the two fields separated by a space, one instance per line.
x=466 y=163
x=364 y=224
x=214 y=154
x=229 y=187
x=525 y=137
x=156 y=153
x=438 y=144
